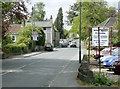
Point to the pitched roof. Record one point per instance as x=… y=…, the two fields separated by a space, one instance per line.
x=109 y=22
x=14 y=28
x=46 y=23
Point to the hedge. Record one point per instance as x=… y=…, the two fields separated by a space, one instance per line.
x=23 y=47
x=15 y=48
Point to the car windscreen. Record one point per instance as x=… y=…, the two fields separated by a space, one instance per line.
x=116 y=52
x=106 y=49
x=48 y=45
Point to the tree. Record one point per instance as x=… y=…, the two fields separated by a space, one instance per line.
x=72 y=13
x=66 y=34
x=25 y=35
x=112 y=11
x=39 y=12
x=11 y=12
x=118 y=26
x=93 y=13
x=59 y=23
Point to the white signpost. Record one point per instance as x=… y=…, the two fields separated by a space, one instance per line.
x=104 y=36
x=35 y=35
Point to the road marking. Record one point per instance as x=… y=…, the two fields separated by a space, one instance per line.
x=58 y=74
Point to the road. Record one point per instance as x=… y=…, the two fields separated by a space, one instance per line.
x=49 y=69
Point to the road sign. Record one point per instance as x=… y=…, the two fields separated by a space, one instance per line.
x=35 y=35
x=104 y=36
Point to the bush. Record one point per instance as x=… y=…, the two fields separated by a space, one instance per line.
x=23 y=47
x=102 y=80
x=7 y=40
x=25 y=36
x=11 y=48
x=15 y=48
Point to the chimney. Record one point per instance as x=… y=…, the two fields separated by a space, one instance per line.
x=51 y=18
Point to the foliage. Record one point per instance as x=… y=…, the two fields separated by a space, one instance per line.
x=92 y=14
x=66 y=34
x=59 y=22
x=23 y=47
x=72 y=13
x=73 y=35
x=25 y=35
x=116 y=36
x=102 y=80
x=11 y=14
x=15 y=48
x=41 y=38
x=118 y=25
x=39 y=12
x=7 y=40
x=112 y=11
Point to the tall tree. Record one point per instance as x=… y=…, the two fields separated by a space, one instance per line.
x=59 y=22
x=93 y=13
x=11 y=12
x=118 y=25
x=112 y=11
x=72 y=13
x=39 y=12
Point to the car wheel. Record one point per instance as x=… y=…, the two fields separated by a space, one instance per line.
x=116 y=72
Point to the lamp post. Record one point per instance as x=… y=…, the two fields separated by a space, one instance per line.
x=80 y=35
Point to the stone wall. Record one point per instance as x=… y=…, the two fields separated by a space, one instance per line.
x=84 y=72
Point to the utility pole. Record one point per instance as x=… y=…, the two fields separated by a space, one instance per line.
x=32 y=27
x=80 y=35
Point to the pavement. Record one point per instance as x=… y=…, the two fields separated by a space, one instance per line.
x=24 y=55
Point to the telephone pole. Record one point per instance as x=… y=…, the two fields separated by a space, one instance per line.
x=80 y=35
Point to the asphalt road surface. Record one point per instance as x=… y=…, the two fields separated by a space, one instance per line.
x=49 y=69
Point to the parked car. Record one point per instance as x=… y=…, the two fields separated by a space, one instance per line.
x=73 y=44
x=103 y=52
x=48 y=46
x=115 y=52
x=64 y=44
x=109 y=60
x=114 y=63
x=116 y=67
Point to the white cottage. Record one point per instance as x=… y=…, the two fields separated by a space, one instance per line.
x=13 y=30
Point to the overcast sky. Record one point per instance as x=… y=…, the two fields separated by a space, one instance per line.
x=52 y=7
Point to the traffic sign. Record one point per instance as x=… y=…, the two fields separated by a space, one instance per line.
x=35 y=35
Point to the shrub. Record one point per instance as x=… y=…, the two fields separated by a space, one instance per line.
x=102 y=80
x=15 y=48
x=11 y=48
x=23 y=47
x=25 y=36
x=7 y=40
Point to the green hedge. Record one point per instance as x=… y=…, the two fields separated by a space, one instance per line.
x=15 y=48
x=23 y=47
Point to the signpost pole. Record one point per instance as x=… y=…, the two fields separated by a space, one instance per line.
x=111 y=42
x=80 y=35
x=32 y=27
x=89 y=48
x=99 y=48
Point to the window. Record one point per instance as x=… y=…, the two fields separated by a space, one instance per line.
x=13 y=38
x=44 y=28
